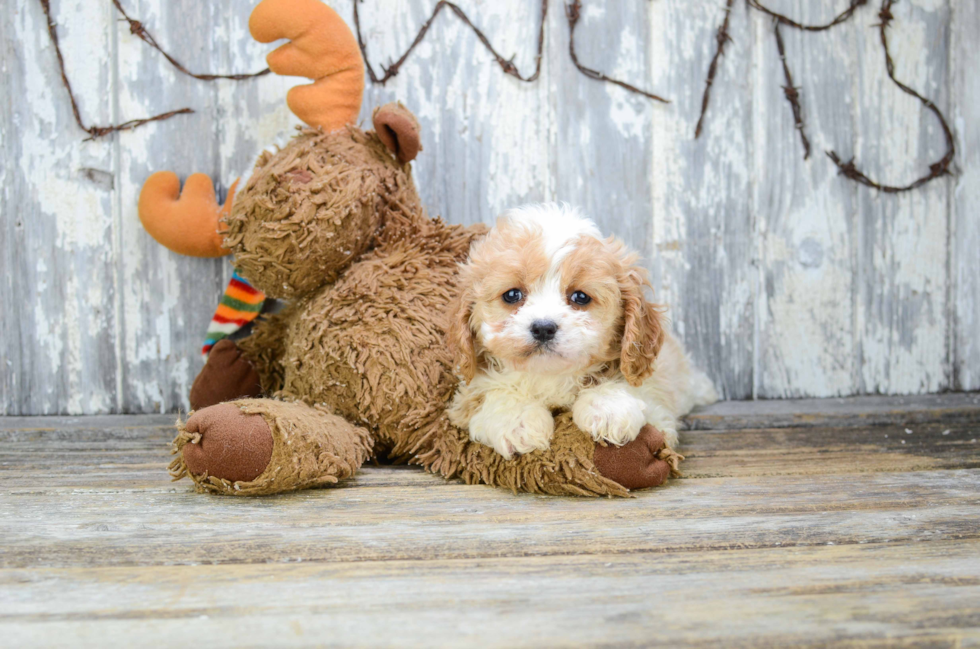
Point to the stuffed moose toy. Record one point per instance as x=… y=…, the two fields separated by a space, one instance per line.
x=356 y=365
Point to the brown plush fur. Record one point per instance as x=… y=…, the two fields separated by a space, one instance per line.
x=358 y=363
x=311 y=209
x=311 y=447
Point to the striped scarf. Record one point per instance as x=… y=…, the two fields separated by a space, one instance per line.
x=241 y=304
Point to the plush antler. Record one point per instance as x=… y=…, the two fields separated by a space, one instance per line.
x=321 y=48
x=187 y=222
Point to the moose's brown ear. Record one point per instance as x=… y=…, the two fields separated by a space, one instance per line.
x=398 y=130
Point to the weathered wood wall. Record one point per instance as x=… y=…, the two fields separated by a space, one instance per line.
x=784 y=279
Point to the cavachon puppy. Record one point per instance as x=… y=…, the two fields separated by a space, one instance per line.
x=552 y=315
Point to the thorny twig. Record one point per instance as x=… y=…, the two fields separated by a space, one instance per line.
x=507 y=65
x=792 y=93
x=573 y=15
x=721 y=39
x=937 y=169
x=847 y=169
x=94 y=131
x=843 y=16
x=573 y=12
x=137 y=29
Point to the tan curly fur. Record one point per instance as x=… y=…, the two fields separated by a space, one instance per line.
x=643 y=331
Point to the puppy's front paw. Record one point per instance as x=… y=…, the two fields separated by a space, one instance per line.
x=522 y=430
x=613 y=416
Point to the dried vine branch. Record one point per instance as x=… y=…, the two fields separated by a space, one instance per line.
x=137 y=29
x=573 y=15
x=937 y=169
x=507 y=65
x=849 y=169
x=792 y=93
x=721 y=39
x=573 y=12
x=94 y=131
x=842 y=17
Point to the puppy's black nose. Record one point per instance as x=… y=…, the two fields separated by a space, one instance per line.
x=544 y=330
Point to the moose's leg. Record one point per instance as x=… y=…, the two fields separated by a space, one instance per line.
x=265 y=446
x=647 y=461
x=227 y=375
x=244 y=369
x=572 y=465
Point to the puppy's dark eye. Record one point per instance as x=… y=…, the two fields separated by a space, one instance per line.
x=513 y=296
x=579 y=298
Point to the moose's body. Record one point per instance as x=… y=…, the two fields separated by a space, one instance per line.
x=357 y=364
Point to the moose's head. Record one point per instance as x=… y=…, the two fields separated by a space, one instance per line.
x=314 y=206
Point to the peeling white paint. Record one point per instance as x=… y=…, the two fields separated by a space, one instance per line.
x=784 y=279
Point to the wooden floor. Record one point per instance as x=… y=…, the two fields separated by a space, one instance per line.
x=853 y=522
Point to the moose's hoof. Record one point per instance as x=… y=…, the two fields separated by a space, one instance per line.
x=635 y=465
x=225 y=377
x=233 y=446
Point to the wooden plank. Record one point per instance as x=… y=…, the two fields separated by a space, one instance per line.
x=912 y=594
x=88 y=423
x=106 y=464
x=830 y=451
x=965 y=196
x=729 y=415
x=99 y=548
x=166 y=299
x=114 y=456
x=115 y=474
x=93 y=456
x=901 y=312
x=702 y=223
x=58 y=332
x=850 y=411
x=805 y=210
x=89 y=527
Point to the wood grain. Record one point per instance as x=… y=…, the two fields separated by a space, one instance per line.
x=117 y=528
x=783 y=278
x=850 y=411
x=806 y=212
x=59 y=328
x=913 y=594
x=166 y=299
x=131 y=452
x=901 y=253
x=102 y=497
x=821 y=529
x=705 y=258
x=487 y=138
x=965 y=197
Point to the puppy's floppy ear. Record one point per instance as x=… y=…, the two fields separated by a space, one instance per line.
x=643 y=333
x=460 y=337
